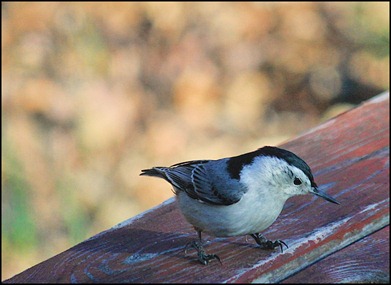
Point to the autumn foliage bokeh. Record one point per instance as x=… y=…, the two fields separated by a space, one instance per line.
x=94 y=92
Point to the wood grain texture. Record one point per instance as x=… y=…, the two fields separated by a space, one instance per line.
x=349 y=156
x=365 y=261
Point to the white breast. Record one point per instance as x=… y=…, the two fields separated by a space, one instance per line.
x=252 y=214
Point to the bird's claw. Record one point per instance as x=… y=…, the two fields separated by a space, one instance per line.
x=273 y=244
x=205 y=258
x=268 y=244
x=202 y=256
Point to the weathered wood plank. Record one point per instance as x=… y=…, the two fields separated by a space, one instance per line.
x=366 y=261
x=349 y=156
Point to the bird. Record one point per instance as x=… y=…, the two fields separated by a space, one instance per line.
x=238 y=196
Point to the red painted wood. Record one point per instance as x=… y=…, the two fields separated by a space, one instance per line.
x=349 y=156
x=366 y=261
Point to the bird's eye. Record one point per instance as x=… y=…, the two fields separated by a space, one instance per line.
x=297 y=181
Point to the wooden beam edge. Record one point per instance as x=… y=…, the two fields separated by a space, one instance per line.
x=330 y=238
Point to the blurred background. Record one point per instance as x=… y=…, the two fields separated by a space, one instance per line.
x=94 y=92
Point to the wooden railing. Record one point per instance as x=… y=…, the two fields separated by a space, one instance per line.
x=349 y=156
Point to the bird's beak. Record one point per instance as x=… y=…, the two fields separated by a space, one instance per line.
x=316 y=191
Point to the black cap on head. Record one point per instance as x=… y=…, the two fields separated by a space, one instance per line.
x=291 y=159
x=236 y=164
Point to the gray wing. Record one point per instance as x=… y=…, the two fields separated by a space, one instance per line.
x=204 y=180
x=211 y=184
x=215 y=187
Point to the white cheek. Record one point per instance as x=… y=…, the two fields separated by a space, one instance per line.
x=290 y=191
x=262 y=173
x=304 y=189
x=296 y=190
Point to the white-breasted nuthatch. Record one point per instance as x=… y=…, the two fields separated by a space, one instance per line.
x=240 y=195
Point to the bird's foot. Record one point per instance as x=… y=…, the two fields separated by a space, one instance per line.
x=264 y=243
x=202 y=256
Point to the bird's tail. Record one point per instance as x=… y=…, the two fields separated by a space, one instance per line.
x=159 y=172
x=155 y=171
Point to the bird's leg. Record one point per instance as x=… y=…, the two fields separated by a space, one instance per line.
x=264 y=243
x=202 y=256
